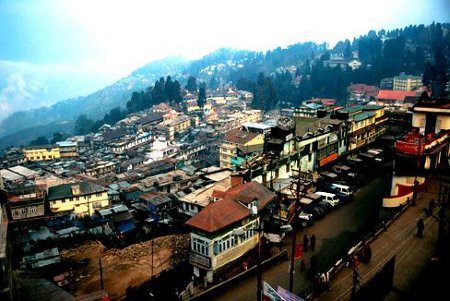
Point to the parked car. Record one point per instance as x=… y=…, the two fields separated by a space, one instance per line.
x=345 y=189
x=341 y=169
x=305 y=219
x=315 y=209
x=328 y=197
x=325 y=205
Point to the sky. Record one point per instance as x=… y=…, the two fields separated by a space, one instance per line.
x=100 y=41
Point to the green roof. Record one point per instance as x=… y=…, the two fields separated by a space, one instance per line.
x=373 y=107
x=362 y=116
x=352 y=109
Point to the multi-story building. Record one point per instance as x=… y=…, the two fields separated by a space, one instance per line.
x=68 y=149
x=235 y=140
x=421 y=151
x=236 y=120
x=365 y=124
x=129 y=142
x=26 y=202
x=81 y=198
x=225 y=231
x=407 y=82
x=42 y=153
x=180 y=124
x=99 y=169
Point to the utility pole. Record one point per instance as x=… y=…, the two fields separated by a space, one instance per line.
x=296 y=180
x=101 y=272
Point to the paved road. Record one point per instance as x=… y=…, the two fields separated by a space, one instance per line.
x=411 y=255
x=336 y=233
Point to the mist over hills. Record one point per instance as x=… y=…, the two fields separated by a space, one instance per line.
x=383 y=54
x=95 y=105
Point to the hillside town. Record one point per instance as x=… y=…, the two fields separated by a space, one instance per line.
x=199 y=190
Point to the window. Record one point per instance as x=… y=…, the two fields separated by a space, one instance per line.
x=24 y=210
x=200 y=246
x=33 y=209
x=98 y=194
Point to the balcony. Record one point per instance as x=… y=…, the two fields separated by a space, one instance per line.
x=416 y=144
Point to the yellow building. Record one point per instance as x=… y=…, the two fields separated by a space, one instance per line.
x=80 y=198
x=179 y=125
x=42 y=153
x=365 y=124
x=233 y=141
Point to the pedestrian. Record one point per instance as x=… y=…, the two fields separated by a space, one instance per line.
x=420 y=227
x=312 y=242
x=305 y=243
x=431 y=206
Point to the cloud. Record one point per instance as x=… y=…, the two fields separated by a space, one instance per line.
x=18 y=93
x=25 y=86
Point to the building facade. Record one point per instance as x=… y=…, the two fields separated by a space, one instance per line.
x=228 y=149
x=80 y=198
x=42 y=153
x=407 y=82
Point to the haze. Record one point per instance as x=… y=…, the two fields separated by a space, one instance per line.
x=89 y=44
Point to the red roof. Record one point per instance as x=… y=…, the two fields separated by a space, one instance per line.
x=218 y=194
x=218 y=215
x=246 y=192
x=229 y=210
x=324 y=101
x=398 y=95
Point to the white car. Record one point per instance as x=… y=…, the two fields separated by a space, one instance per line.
x=305 y=219
x=329 y=198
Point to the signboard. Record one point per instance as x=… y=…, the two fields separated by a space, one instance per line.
x=270 y=294
x=409 y=148
x=328 y=159
x=287 y=295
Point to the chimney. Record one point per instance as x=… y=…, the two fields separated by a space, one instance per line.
x=236 y=179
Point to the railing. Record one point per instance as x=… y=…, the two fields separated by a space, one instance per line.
x=409 y=147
